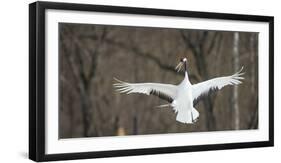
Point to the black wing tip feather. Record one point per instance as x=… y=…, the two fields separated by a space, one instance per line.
x=204 y=95
x=161 y=95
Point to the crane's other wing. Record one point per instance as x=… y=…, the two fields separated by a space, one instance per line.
x=165 y=91
x=204 y=88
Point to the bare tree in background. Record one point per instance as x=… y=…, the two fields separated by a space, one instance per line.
x=82 y=63
x=254 y=77
x=235 y=92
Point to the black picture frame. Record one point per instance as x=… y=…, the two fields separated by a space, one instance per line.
x=37 y=80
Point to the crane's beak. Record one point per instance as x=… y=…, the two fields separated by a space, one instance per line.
x=179 y=66
x=182 y=62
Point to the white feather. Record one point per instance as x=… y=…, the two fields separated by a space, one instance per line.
x=217 y=83
x=146 y=88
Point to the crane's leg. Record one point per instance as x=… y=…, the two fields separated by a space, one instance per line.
x=194 y=114
x=163 y=106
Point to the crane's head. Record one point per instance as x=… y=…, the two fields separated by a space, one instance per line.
x=183 y=61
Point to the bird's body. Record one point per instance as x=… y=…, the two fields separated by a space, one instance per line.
x=183 y=103
x=183 y=97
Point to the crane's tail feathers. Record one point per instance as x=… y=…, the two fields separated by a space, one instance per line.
x=187 y=116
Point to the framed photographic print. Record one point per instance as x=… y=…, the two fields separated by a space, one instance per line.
x=118 y=81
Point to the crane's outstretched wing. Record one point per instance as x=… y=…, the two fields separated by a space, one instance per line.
x=204 y=88
x=165 y=91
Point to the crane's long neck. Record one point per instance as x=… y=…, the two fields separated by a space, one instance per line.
x=185 y=72
x=185 y=67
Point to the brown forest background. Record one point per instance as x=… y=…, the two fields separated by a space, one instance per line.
x=91 y=55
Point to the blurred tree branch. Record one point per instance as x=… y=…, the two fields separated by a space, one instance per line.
x=145 y=55
x=77 y=55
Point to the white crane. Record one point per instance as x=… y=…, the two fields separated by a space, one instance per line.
x=183 y=97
